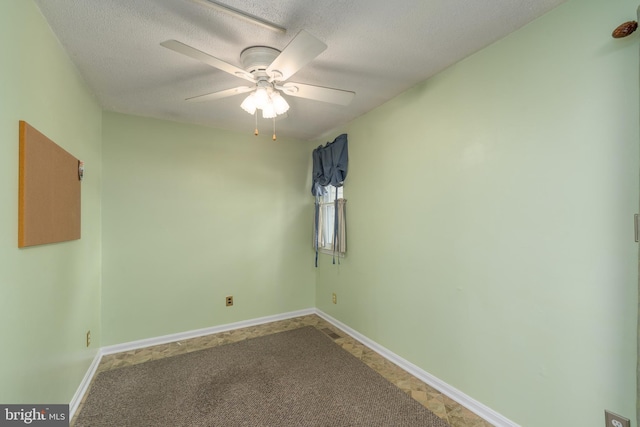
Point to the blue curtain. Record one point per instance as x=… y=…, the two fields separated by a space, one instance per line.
x=330 y=164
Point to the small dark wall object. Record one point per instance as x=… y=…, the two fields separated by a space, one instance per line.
x=624 y=30
x=48 y=191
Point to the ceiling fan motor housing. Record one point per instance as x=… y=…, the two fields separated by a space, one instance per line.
x=256 y=59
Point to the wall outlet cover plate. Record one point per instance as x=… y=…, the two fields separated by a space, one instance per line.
x=615 y=420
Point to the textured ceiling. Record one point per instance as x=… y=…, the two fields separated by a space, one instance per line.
x=376 y=48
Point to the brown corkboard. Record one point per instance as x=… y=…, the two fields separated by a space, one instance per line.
x=49 y=191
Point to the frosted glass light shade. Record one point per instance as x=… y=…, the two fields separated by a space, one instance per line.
x=260 y=97
x=249 y=104
x=268 y=111
x=269 y=101
x=279 y=103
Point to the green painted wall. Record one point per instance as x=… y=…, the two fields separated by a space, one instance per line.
x=50 y=294
x=489 y=215
x=193 y=214
x=490 y=222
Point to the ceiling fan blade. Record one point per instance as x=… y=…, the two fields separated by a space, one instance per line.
x=318 y=93
x=299 y=52
x=194 y=53
x=221 y=94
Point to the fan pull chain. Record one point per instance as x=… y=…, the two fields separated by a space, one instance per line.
x=274 y=129
x=255 y=132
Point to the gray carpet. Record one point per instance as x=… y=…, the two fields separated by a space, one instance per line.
x=294 y=378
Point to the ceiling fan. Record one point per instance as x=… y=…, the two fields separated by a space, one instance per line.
x=268 y=70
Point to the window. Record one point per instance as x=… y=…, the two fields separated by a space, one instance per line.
x=330 y=165
x=326 y=217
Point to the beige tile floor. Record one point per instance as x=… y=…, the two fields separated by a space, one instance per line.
x=447 y=409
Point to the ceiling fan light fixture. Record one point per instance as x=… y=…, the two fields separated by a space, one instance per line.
x=249 y=104
x=280 y=105
x=261 y=98
x=268 y=112
x=266 y=99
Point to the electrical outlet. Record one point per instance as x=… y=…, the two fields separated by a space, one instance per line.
x=229 y=301
x=615 y=420
x=334 y=298
x=88 y=338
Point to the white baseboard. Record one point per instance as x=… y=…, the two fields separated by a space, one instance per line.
x=148 y=342
x=84 y=384
x=471 y=404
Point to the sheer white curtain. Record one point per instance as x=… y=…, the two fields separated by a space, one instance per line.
x=330 y=222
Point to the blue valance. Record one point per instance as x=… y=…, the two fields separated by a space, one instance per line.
x=330 y=165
